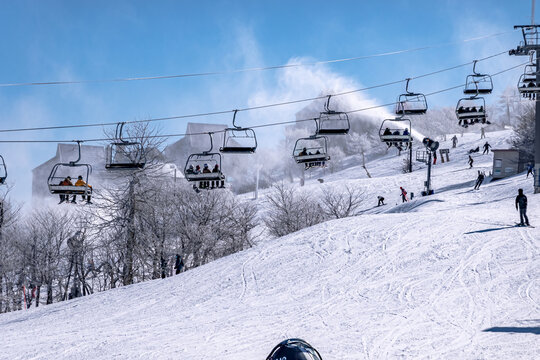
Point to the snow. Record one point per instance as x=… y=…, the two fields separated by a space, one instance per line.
x=425 y=279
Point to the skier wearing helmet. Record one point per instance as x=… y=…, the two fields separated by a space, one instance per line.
x=294 y=349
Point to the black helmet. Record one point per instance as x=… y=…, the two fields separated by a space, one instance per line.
x=294 y=349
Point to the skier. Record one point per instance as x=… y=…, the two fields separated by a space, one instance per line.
x=471 y=161
x=454 y=141
x=80 y=182
x=294 y=349
x=521 y=201
x=65 y=182
x=486 y=148
x=434 y=157
x=479 y=180
x=403 y=195
x=482 y=133
x=381 y=200
x=178 y=264
x=530 y=169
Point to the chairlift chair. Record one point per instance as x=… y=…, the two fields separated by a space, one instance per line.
x=73 y=169
x=201 y=168
x=3 y=171
x=528 y=87
x=238 y=140
x=391 y=134
x=471 y=110
x=411 y=103
x=333 y=122
x=124 y=154
x=311 y=151
x=477 y=83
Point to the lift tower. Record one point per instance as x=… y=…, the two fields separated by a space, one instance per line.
x=531 y=43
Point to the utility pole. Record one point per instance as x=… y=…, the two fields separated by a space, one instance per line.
x=531 y=44
x=532 y=13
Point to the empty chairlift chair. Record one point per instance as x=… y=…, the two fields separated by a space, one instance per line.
x=238 y=140
x=332 y=122
x=396 y=132
x=477 y=83
x=411 y=103
x=204 y=169
x=124 y=154
x=3 y=171
x=72 y=169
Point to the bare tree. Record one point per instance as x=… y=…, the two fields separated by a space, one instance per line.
x=47 y=231
x=289 y=210
x=10 y=257
x=339 y=204
x=119 y=204
x=523 y=137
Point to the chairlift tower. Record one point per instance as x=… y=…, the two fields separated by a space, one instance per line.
x=425 y=156
x=531 y=43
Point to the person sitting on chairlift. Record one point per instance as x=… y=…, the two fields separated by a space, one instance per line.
x=65 y=182
x=197 y=170
x=387 y=132
x=303 y=152
x=205 y=170
x=406 y=132
x=190 y=170
x=220 y=183
x=80 y=182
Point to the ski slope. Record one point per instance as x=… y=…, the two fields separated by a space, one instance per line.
x=446 y=276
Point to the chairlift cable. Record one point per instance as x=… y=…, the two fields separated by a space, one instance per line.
x=253 y=127
x=275 y=67
x=168 y=118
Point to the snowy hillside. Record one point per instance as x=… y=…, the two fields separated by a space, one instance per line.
x=446 y=276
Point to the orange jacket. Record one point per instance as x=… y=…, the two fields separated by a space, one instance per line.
x=82 y=183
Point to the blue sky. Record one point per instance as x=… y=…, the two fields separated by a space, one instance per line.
x=74 y=40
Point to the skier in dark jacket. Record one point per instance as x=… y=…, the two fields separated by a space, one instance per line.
x=381 y=200
x=178 y=264
x=454 y=141
x=479 y=180
x=486 y=148
x=471 y=161
x=530 y=168
x=521 y=202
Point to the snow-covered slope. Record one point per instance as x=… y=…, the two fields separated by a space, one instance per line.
x=446 y=276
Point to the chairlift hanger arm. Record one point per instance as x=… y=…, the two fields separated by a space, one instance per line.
x=327 y=104
x=407 y=86
x=79 y=151
x=234 y=120
x=211 y=144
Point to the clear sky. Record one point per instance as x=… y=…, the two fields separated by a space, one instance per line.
x=88 y=40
